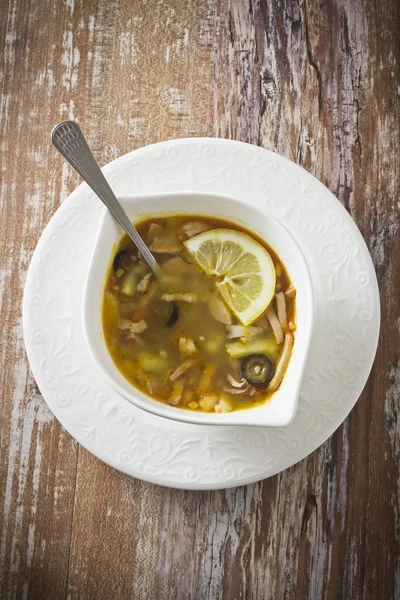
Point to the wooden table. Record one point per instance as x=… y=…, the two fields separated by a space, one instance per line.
x=317 y=82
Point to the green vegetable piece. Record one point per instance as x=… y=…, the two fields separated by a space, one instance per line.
x=152 y=363
x=257 y=345
x=111 y=306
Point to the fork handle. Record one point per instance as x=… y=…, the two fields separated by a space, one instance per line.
x=69 y=140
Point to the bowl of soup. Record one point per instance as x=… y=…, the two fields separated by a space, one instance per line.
x=222 y=336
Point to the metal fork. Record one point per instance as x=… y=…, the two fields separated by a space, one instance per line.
x=69 y=140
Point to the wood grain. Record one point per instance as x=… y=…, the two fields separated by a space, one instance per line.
x=319 y=83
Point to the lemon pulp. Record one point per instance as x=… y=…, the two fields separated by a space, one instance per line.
x=244 y=270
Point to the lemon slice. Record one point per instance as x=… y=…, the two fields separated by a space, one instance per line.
x=243 y=268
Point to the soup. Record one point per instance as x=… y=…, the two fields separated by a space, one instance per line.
x=214 y=333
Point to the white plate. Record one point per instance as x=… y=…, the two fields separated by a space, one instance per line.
x=179 y=454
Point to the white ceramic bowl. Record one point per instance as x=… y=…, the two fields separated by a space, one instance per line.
x=280 y=410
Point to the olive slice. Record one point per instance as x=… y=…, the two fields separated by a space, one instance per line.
x=257 y=369
x=173 y=315
x=123 y=261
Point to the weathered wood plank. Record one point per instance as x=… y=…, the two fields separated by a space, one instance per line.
x=317 y=82
x=37 y=457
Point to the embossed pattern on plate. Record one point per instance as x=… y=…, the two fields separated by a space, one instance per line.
x=178 y=454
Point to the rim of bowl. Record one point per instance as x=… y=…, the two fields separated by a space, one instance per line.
x=251 y=416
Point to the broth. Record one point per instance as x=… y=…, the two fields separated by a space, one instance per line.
x=171 y=339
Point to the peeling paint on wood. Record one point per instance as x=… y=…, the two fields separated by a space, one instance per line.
x=319 y=83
